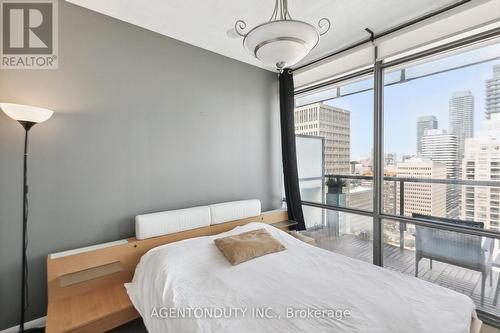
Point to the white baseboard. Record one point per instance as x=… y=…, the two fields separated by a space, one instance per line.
x=35 y=323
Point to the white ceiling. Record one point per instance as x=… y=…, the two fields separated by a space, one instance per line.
x=205 y=23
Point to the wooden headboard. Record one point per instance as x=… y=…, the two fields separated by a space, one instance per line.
x=85 y=286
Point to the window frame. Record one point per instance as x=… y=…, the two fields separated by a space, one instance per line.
x=378 y=70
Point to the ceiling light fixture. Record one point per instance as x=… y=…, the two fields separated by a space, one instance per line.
x=282 y=41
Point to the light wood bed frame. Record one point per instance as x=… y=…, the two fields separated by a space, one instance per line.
x=85 y=286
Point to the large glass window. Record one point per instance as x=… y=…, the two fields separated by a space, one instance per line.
x=442 y=126
x=340 y=120
x=439 y=216
x=344 y=233
x=454 y=260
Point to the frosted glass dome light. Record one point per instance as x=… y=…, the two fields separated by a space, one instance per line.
x=281 y=42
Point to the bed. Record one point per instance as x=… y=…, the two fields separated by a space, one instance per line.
x=188 y=286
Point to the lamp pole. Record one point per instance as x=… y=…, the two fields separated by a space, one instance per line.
x=27 y=116
x=27 y=126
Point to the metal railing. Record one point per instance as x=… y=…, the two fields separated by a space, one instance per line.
x=399 y=183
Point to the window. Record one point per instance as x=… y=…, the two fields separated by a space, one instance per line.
x=438 y=215
x=345 y=177
x=441 y=124
x=467 y=270
x=344 y=233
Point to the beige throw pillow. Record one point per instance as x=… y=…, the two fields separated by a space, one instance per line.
x=248 y=245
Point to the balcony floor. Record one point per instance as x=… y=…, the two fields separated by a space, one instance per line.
x=462 y=280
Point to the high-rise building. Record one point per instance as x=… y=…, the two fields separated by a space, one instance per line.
x=482 y=162
x=422 y=198
x=405 y=158
x=493 y=93
x=461 y=118
x=439 y=146
x=332 y=124
x=389 y=197
x=360 y=197
x=424 y=123
x=390 y=159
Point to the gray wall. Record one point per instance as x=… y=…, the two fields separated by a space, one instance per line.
x=144 y=123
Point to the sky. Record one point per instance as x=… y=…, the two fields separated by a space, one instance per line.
x=404 y=103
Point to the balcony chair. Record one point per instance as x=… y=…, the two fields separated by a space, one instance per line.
x=454 y=248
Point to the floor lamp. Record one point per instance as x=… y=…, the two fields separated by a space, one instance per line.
x=27 y=116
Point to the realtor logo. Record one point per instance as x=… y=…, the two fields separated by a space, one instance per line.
x=28 y=34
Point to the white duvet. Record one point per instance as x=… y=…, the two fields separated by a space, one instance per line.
x=189 y=286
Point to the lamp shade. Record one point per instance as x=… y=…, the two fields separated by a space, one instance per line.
x=27 y=113
x=281 y=43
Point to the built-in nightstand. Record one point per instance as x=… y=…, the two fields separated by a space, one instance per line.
x=284 y=225
x=302 y=237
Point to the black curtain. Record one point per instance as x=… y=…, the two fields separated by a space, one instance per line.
x=288 y=150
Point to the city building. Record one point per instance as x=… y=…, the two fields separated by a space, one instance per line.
x=389 y=197
x=439 y=146
x=332 y=124
x=422 y=198
x=364 y=166
x=493 y=93
x=353 y=167
x=461 y=117
x=405 y=158
x=390 y=159
x=482 y=162
x=360 y=197
x=424 y=123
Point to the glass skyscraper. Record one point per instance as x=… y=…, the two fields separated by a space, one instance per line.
x=424 y=123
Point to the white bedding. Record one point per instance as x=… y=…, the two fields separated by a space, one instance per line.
x=192 y=275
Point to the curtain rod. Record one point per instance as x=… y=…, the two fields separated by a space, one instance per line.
x=374 y=36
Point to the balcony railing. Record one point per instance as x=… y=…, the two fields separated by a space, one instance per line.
x=400 y=183
x=455 y=253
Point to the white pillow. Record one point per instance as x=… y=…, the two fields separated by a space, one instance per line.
x=234 y=210
x=172 y=221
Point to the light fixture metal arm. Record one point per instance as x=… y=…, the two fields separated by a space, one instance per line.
x=285 y=15
x=239 y=26
x=274 y=16
x=324 y=25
